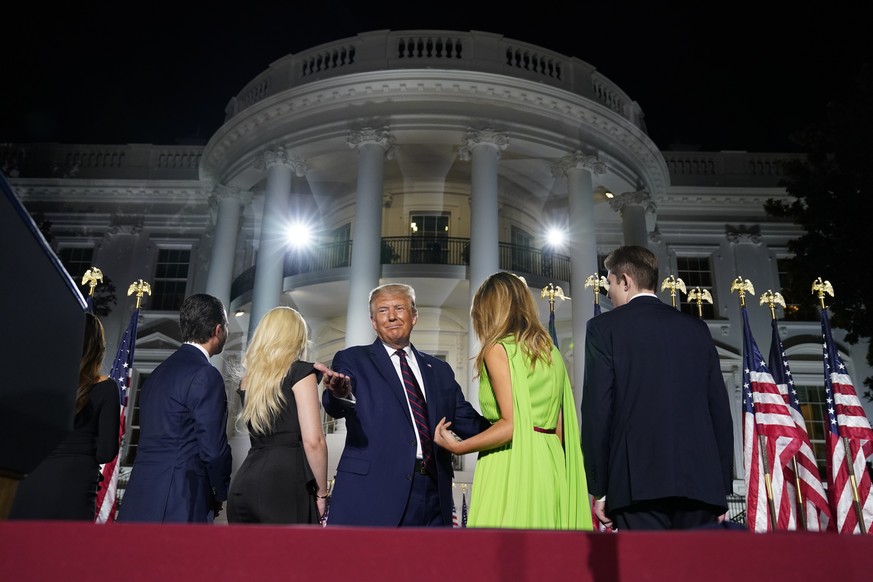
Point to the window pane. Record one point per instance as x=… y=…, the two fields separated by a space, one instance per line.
x=76 y=261
x=695 y=272
x=171 y=279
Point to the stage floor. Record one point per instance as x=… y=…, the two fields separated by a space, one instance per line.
x=133 y=552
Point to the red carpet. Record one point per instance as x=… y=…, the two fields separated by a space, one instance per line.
x=70 y=551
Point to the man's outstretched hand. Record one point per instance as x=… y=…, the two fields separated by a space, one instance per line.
x=338 y=384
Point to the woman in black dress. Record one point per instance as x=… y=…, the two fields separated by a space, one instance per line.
x=284 y=476
x=64 y=484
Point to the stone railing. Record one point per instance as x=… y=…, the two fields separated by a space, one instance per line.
x=538 y=266
x=726 y=168
x=434 y=49
x=101 y=162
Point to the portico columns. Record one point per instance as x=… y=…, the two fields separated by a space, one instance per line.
x=483 y=147
x=373 y=146
x=226 y=204
x=633 y=207
x=269 y=265
x=579 y=167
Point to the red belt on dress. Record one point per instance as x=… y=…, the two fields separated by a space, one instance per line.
x=544 y=430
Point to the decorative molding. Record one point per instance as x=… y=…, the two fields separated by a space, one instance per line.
x=482 y=137
x=578 y=161
x=220 y=193
x=368 y=135
x=125 y=224
x=638 y=198
x=743 y=234
x=280 y=157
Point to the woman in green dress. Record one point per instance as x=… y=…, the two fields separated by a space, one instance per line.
x=529 y=473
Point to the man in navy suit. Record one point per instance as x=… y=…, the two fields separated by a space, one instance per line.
x=183 y=463
x=657 y=434
x=383 y=476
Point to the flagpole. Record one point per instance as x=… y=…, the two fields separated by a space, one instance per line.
x=107 y=496
x=820 y=287
x=772 y=299
x=742 y=287
x=552 y=292
x=673 y=283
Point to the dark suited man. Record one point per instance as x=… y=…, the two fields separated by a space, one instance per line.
x=383 y=476
x=657 y=435
x=183 y=463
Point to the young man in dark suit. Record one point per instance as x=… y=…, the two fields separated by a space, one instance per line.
x=390 y=473
x=182 y=469
x=657 y=434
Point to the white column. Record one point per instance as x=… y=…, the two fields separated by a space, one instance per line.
x=373 y=146
x=579 y=167
x=270 y=262
x=483 y=147
x=633 y=207
x=226 y=205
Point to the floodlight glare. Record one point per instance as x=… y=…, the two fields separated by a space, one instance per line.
x=555 y=237
x=299 y=235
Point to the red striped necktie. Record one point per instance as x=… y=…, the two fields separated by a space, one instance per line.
x=419 y=413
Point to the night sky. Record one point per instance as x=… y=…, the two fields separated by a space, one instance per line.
x=710 y=76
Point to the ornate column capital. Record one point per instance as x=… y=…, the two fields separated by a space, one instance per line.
x=482 y=137
x=743 y=234
x=368 y=135
x=281 y=157
x=578 y=161
x=638 y=198
x=221 y=192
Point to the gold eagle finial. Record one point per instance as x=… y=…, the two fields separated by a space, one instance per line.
x=699 y=295
x=92 y=276
x=139 y=287
x=772 y=300
x=598 y=282
x=673 y=283
x=742 y=286
x=821 y=287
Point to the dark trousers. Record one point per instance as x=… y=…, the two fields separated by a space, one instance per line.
x=423 y=506
x=667 y=513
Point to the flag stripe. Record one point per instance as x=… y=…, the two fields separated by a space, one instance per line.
x=122 y=366
x=847 y=425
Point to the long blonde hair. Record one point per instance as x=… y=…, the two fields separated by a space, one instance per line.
x=279 y=341
x=504 y=306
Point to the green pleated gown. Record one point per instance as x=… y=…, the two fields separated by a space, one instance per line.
x=532 y=482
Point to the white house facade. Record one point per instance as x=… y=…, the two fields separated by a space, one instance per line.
x=433 y=158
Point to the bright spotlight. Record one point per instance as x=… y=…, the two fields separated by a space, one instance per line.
x=555 y=237
x=299 y=235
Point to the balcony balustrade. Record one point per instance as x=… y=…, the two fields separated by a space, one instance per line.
x=532 y=263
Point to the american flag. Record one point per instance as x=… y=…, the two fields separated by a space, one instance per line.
x=848 y=427
x=463 y=509
x=552 y=330
x=454 y=514
x=107 y=499
x=767 y=423
x=815 y=500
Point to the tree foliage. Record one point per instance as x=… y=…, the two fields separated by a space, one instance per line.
x=832 y=191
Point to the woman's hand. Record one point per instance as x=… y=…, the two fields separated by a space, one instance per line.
x=446 y=438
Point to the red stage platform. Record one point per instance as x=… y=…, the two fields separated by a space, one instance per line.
x=71 y=551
